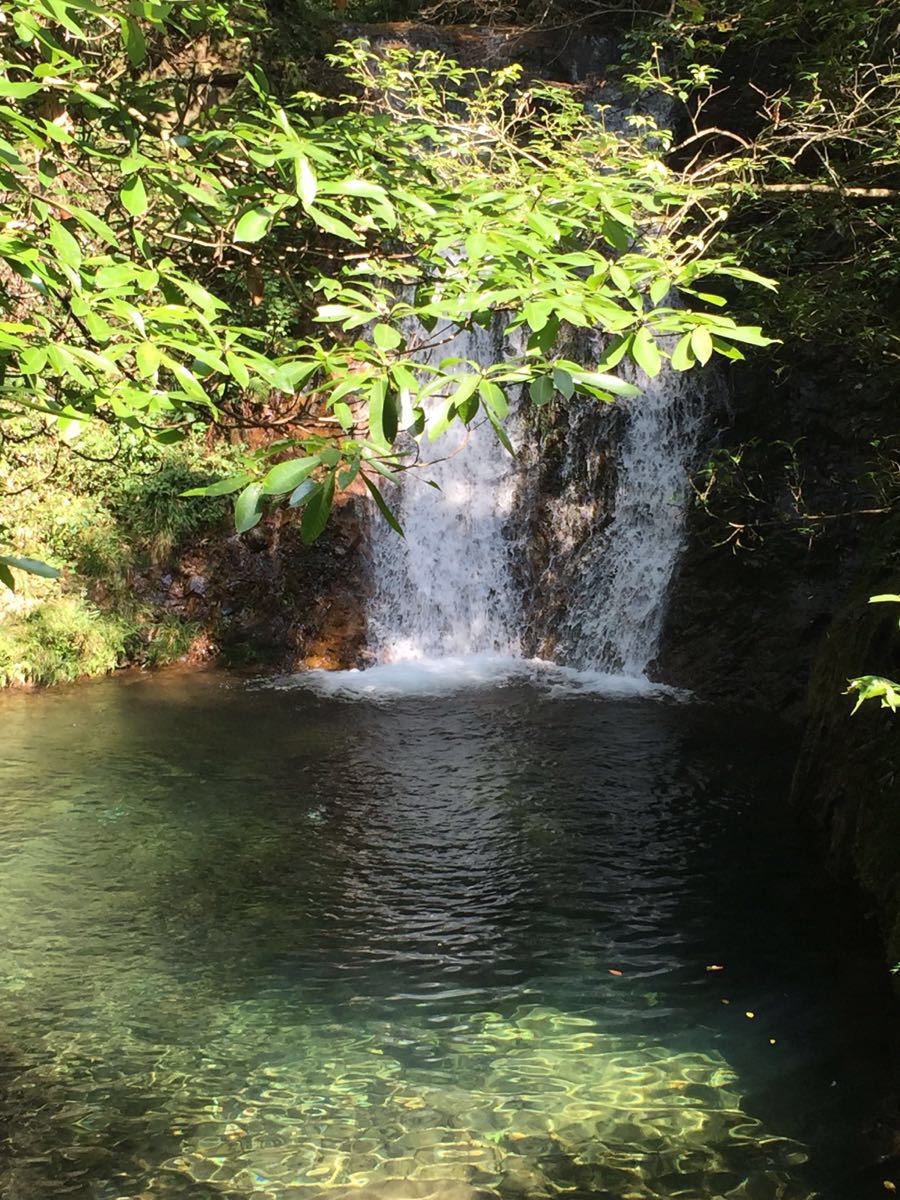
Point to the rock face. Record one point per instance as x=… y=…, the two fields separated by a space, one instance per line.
x=568 y=55
x=266 y=599
x=771 y=610
x=848 y=772
x=567 y=498
x=781 y=542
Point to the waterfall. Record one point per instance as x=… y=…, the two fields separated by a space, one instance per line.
x=453 y=586
x=467 y=580
x=617 y=580
x=447 y=588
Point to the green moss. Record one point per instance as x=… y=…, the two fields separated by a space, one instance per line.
x=60 y=640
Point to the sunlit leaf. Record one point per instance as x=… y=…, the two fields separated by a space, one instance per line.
x=248 y=508
x=134 y=196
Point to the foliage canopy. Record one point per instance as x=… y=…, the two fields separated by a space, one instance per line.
x=146 y=213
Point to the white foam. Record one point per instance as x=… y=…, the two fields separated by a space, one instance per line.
x=446 y=675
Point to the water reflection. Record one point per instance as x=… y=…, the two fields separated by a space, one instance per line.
x=270 y=944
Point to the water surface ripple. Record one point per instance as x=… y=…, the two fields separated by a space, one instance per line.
x=497 y=943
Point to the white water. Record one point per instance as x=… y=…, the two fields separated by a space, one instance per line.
x=443 y=676
x=446 y=596
x=619 y=578
x=447 y=588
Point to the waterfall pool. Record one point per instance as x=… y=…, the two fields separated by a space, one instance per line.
x=497 y=942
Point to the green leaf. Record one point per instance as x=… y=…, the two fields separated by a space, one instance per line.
x=6 y=576
x=32 y=360
x=390 y=420
x=222 y=487
x=305 y=177
x=499 y=430
x=563 y=382
x=344 y=414
x=752 y=335
x=95 y=224
x=377 y=396
x=148 y=359
x=135 y=43
x=285 y=477
x=727 y=350
x=386 y=337
x=537 y=314
x=463 y=399
x=494 y=397
x=70 y=429
x=621 y=278
x=253 y=225
x=348 y=474
x=65 y=245
x=333 y=225
x=683 y=356
x=116 y=276
x=168 y=437
x=541 y=390
x=248 y=508
x=17 y=91
x=33 y=566
x=701 y=344
x=134 y=196
x=317 y=511
x=750 y=276
x=476 y=245
x=188 y=380
x=303 y=493
x=646 y=353
x=609 y=383
x=616 y=351
x=382 y=505
x=440 y=419
x=659 y=289
x=238 y=369
x=876 y=687
x=545 y=339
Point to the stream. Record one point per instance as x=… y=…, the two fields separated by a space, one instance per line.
x=495 y=935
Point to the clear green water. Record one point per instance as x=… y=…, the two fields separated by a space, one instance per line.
x=264 y=944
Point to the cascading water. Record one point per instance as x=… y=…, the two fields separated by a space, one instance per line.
x=450 y=588
x=447 y=588
x=619 y=577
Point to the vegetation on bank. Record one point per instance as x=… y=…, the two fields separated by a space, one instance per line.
x=102 y=526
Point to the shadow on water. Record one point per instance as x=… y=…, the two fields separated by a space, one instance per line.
x=804 y=959
x=266 y=944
